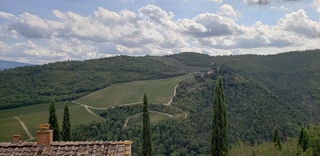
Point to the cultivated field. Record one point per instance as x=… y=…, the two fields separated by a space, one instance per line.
x=10 y=126
x=31 y=109
x=34 y=115
x=158 y=91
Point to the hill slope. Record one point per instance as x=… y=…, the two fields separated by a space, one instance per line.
x=262 y=92
x=73 y=79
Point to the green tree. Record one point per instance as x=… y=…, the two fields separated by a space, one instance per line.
x=304 y=140
x=276 y=138
x=314 y=131
x=66 y=126
x=146 y=131
x=53 y=121
x=219 y=129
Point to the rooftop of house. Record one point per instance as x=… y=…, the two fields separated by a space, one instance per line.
x=45 y=146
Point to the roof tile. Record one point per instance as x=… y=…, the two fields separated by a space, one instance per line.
x=97 y=148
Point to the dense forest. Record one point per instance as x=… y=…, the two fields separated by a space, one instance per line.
x=262 y=92
x=251 y=123
x=73 y=79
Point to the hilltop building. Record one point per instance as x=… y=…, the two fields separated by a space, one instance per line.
x=46 y=147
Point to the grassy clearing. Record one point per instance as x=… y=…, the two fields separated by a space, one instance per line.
x=78 y=115
x=32 y=109
x=9 y=127
x=158 y=91
x=178 y=116
x=154 y=118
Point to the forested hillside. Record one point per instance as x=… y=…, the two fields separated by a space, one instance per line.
x=73 y=79
x=262 y=92
x=292 y=77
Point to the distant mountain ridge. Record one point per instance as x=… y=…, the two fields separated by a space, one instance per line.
x=11 y=64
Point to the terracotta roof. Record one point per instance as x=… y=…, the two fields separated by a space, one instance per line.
x=121 y=148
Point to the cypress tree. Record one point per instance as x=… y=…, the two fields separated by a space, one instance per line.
x=146 y=131
x=276 y=138
x=304 y=140
x=53 y=121
x=66 y=126
x=219 y=129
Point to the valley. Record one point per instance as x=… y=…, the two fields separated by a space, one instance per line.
x=105 y=98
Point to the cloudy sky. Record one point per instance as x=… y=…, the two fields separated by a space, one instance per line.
x=38 y=32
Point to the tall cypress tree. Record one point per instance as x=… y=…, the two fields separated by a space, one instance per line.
x=66 y=126
x=276 y=138
x=219 y=129
x=304 y=140
x=146 y=131
x=53 y=121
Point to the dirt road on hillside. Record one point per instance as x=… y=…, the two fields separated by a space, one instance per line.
x=25 y=128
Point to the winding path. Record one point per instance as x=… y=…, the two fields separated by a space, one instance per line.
x=135 y=103
x=174 y=94
x=128 y=118
x=25 y=128
x=185 y=115
x=87 y=108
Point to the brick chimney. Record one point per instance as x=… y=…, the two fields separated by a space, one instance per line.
x=44 y=135
x=16 y=138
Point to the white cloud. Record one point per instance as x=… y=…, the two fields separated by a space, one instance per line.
x=57 y=50
x=316 y=3
x=157 y=15
x=227 y=10
x=256 y=36
x=150 y=31
x=259 y=2
x=2 y=36
x=153 y=32
x=6 y=15
x=173 y=40
x=280 y=8
x=215 y=1
x=4 y=48
x=299 y=23
x=206 y=25
x=32 y=26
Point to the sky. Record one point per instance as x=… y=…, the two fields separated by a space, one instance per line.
x=39 y=32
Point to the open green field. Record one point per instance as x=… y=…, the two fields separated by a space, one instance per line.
x=10 y=126
x=158 y=91
x=154 y=118
x=32 y=109
x=34 y=115
x=78 y=115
